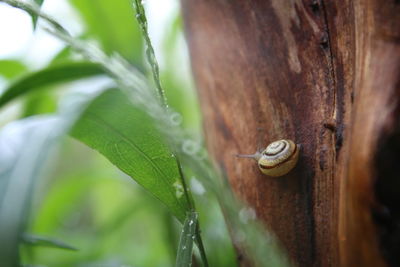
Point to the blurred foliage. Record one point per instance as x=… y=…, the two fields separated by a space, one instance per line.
x=112 y=23
x=39 y=103
x=176 y=76
x=86 y=202
x=102 y=213
x=34 y=16
x=11 y=68
x=49 y=76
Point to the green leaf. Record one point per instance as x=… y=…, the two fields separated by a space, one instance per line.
x=39 y=103
x=11 y=68
x=25 y=146
x=35 y=16
x=188 y=236
x=64 y=55
x=113 y=24
x=49 y=76
x=128 y=137
x=41 y=241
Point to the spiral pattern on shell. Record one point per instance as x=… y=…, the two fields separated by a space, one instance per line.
x=279 y=158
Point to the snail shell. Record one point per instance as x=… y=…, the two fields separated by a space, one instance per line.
x=279 y=158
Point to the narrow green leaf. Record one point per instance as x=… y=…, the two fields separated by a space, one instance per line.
x=49 y=76
x=20 y=165
x=188 y=236
x=112 y=23
x=151 y=56
x=127 y=136
x=41 y=241
x=39 y=102
x=25 y=146
x=35 y=16
x=152 y=60
x=11 y=68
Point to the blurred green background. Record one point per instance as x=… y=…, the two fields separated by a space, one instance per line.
x=84 y=200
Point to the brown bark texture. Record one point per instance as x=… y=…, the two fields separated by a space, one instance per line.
x=325 y=74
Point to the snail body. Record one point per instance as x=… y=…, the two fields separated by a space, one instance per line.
x=279 y=158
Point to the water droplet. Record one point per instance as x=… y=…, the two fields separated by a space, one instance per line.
x=176 y=118
x=178 y=189
x=190 y=147
x=191 y=222
x=137 y=16
x=247 y=214
x=184 y=247
x=196 y=186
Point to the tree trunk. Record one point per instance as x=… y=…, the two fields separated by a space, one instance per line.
x=325 y=74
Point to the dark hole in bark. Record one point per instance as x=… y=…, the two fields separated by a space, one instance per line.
x=324 y=40
x=387 y=191
x=315 y=6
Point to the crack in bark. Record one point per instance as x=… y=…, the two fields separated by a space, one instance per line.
x=337 y=113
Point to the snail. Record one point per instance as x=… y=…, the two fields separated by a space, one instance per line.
x=279 y=158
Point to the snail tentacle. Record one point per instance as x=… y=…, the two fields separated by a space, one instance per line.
x=256 y=156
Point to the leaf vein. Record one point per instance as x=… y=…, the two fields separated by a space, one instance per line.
x=104 y=124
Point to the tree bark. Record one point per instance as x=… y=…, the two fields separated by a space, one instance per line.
x=325 y=74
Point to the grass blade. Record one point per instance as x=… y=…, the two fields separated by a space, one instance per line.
x=35 y=240
x=48 y=76
x=188 y=236
x=25 y=146
x=35 y=16
x=152 y=60
x=151 y=57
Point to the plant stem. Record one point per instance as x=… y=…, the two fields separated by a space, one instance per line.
x=185 y=188
x=151 y=57
x=142 y=20
x=198 y=239
x=200 y=245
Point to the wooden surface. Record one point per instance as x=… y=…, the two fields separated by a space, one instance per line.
x=365 y=212
x=324 y=74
